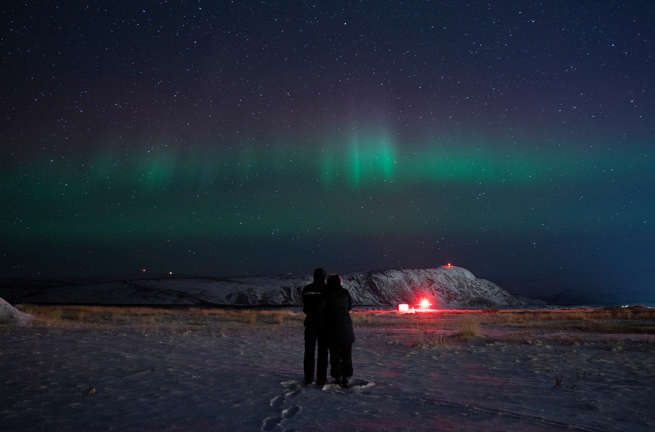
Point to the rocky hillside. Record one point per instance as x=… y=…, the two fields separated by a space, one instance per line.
x=444 y=287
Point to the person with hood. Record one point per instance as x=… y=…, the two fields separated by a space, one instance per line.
x=313 y=299
x=341 y=335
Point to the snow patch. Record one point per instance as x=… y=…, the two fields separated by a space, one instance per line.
x=11 y=315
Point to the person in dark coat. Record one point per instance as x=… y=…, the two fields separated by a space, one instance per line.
x=340 y=330
x=313 y=299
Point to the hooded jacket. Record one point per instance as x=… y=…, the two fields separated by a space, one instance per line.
x=338 y=304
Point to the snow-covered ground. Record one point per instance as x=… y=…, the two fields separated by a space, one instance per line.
x=215 y=374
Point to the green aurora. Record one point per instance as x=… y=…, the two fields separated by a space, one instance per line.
x=364 y=184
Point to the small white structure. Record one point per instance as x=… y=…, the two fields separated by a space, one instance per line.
x=403 y=308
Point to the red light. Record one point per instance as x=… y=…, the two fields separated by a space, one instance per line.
x=144 y=270
x=424 y=305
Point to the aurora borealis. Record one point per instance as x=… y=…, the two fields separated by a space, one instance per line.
x=223 y=139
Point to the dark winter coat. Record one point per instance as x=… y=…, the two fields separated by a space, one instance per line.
x=313 y=300
x=338 y=304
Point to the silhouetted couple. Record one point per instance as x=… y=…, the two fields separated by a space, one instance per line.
x=329 y=326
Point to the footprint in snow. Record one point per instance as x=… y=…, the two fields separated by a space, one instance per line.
x=277 y=401
x=270 y=423
x=292 y=384
x=293 y=388
x=289 y=413
x=293 y=393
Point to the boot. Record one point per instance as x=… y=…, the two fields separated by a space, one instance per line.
x=344 y=382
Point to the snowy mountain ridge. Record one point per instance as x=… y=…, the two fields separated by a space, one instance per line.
x=444 y=287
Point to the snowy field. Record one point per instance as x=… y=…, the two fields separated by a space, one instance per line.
x=137 y=369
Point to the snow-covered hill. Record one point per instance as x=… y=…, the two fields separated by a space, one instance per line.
x=444 y=287
x=11 y=315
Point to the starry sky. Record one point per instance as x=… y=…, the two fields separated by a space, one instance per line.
x=232 y=138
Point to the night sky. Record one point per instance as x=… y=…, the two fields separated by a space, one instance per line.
x=231 y=138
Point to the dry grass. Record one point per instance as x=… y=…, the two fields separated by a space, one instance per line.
x=362 y=317
x=43 y=313
x=95 y=314
x=418 y=340
x=198 y=321
x=629 y=328
x=623 y=314
x=250 y=318
x=437 y=340
x=633 y=320
x=469 y=328
x=574 y=316
x=148 y=316
x=147 y=320
x=558 y=381
x=425 y=339
x=73 y=314
x=522 y=337
x=557 y=327
x=512 y=317
x=278 y=318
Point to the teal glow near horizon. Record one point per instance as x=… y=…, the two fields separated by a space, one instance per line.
x=364 y=183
